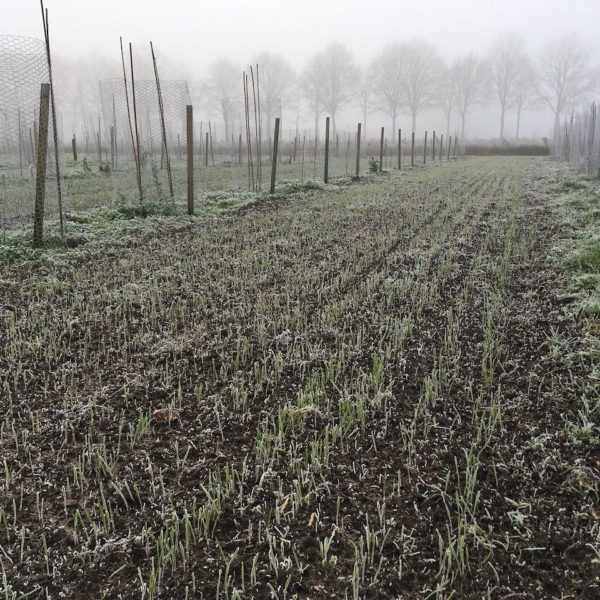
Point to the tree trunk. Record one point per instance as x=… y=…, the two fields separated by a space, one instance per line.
x=462 y=124
x=394 y=132
x=556 y=127
x=364 y=123
x=502 y=112
x=414 y=122
x=518 y=124
x=333 y=130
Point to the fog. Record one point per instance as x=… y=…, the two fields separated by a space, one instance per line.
x=190 y=36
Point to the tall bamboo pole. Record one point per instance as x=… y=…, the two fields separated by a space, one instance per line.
x=135 y=122
x=358 y=151
x=162 y=124
x=133 y=146
x=53 y=108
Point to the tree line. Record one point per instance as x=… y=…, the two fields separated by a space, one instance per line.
x=409 y=77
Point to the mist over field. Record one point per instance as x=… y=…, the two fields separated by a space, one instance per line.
x=210 y=44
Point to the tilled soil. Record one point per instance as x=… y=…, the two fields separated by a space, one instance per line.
x=376 y=391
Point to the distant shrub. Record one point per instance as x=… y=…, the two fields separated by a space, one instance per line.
x=507 y=149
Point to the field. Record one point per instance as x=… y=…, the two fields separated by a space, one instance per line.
x=380 y=389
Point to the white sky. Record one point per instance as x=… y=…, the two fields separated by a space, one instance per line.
x=197 y=32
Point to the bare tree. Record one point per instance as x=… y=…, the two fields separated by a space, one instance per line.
x=311 y=90
x=566 y=75
x=524 y=96
x=223 y=86
x=506 y=57
x=447 y=96
x=329 y=80
x=388 y=81
x=468 y=77
x=276 y=79
x=421 y=73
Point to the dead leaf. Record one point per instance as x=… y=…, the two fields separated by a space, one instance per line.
x=165 y=415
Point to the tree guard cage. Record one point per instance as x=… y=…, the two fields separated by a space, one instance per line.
x=23 y=68
x=116 y=147
x=578 y=140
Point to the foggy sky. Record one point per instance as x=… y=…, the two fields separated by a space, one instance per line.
x=193 y=33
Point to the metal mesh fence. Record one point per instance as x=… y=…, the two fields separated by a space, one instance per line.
x=116 y=151
x=23 y=68
x=578 y=141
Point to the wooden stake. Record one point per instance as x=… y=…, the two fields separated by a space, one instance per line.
x=42 y=152
x=399 y=149
x=190 y=158
x=358 y=151
x=135 y=121
x=74 y=146
x=381 y=151
x=99 y=139
x=433 y=147
x=112 y=147
x=54 y=129
x=326 y=174
x=133 y=146
x=302 y=166
x=274 y=162
x=162 y=125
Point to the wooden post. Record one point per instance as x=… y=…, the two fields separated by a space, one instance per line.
x=190 y=158
x=42 y=153
x=135 y=122
x=326 y=173
x=412 y=150
x=112 y=147
x=425 y=149
x=162 y=127
x=99 y=143
x=74 y=146
x=399 y=149
x=433 y=147
x=381 y=150
x=302 y=166
x=275 y=149
x=358 y=151
x=212 y=153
